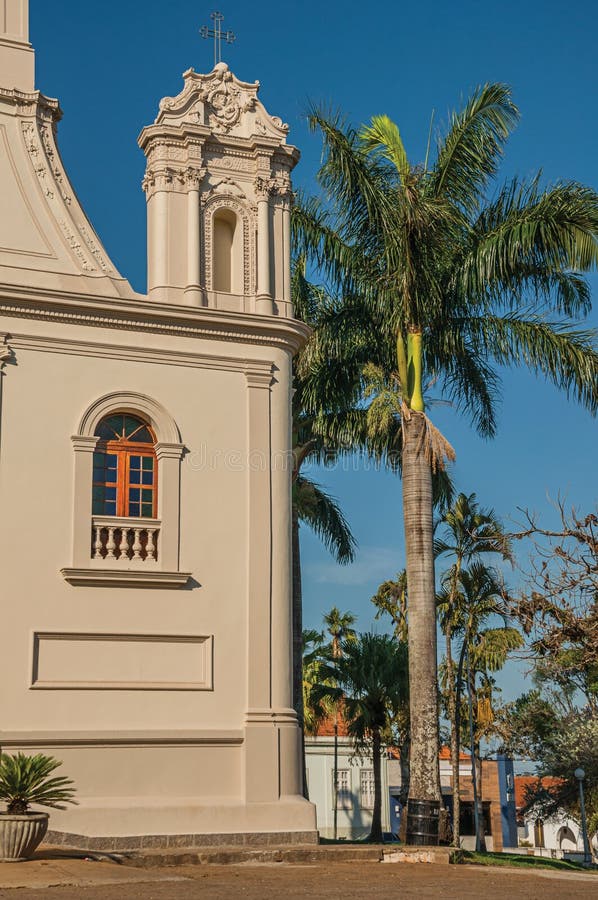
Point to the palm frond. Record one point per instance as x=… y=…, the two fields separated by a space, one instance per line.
x=323 y=515
x=565 y=356
x=383 y=138
x=469 y=154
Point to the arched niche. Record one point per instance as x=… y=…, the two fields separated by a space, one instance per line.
x=228 y=252
x=227 y=256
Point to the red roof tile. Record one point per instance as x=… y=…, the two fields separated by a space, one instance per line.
x=523 y=782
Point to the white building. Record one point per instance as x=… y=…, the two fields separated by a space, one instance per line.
x=144 y=479
x=355 y=801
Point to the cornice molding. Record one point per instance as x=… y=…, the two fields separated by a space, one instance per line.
x=149 y=316
x=140 y=738
x=138 y=354
x=136 y=578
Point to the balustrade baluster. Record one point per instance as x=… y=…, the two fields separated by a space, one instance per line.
x=137 y=544
x=110 y=545
x=150 y=547
x=124 y=545
x=97 y=545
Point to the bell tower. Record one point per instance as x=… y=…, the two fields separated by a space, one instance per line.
x=218 y=193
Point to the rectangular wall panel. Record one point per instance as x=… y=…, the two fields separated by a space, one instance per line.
x=63 y=660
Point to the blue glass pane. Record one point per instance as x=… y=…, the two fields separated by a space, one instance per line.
x=135 y=462
x=133 y=509
x=147 y=462
x=134 y=494
x=111 y=460
x=147 y=478
x=98 y=459
x=97 y=492
x=131 y=425
x=110 y=493
x=146 y=510
x=110 y=508
x=143 y=436
x=146 y=496
x=97 y=507
x=98 y=475
x=134 y=476
x=110 y=428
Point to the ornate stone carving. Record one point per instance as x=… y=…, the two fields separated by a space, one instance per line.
x=234 y=163
x=210 y=206
x=48 y=142
x=169 y=178
x=75 y=245
x=6 y=352
x=93 y=246
x=221 y=102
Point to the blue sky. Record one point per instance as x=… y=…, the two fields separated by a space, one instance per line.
x=110 y=63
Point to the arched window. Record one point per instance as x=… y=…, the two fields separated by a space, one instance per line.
x=124 y=468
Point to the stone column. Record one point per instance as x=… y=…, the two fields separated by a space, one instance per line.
x=261 y=739
x=284 y=715
x=263 y=302
x=169 y=501
x=193 y=292
x=286 y=251
x=5 y=357
x=16 y=54
x=84 y=446
x=158 y=245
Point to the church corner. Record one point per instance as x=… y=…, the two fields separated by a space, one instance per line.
x=146 y=529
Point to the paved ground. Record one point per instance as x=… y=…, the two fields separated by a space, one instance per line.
x=340 y=881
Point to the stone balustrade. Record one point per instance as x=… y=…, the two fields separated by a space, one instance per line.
x=117 y=539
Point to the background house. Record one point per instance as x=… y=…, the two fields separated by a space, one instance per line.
x=557 y=836
x=356 y=791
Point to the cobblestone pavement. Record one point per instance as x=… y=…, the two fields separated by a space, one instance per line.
x=344 y=881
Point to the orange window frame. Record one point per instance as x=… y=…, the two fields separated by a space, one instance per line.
x=124 y=450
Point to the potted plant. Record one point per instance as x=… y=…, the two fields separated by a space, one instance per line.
x=25 y=780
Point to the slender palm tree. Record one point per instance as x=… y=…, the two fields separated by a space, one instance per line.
x=440 y=283
x=315 y=709
x=466 y=532
x=370 y=677
x=480 y=597
x=340 y=628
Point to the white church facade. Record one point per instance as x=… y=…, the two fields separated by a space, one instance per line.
x=145 y=490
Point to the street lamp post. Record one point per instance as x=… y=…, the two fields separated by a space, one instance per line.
x=587 y=855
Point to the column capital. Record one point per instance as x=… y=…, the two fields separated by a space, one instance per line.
x=169 y=451
x=258 y=378
x=84 y=443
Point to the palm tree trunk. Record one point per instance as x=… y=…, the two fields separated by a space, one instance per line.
x=452 y=711
x=298 y=644
x=376 y=832
x=404 y=757
x=423 y=682
x=335 y=811
x=479 y=841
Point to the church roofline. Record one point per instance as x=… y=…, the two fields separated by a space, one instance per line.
x=142 y=315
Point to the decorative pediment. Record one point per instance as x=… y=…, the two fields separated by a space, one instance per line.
x=223 y=103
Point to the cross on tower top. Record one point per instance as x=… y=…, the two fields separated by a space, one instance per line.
x=218 y=34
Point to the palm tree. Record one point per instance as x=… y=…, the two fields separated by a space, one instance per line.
x=438 y=282
x=311 y=505
x=370 y=677
x=479 y=597
x=315 y=710
x=467 y=532
x=340 y=628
